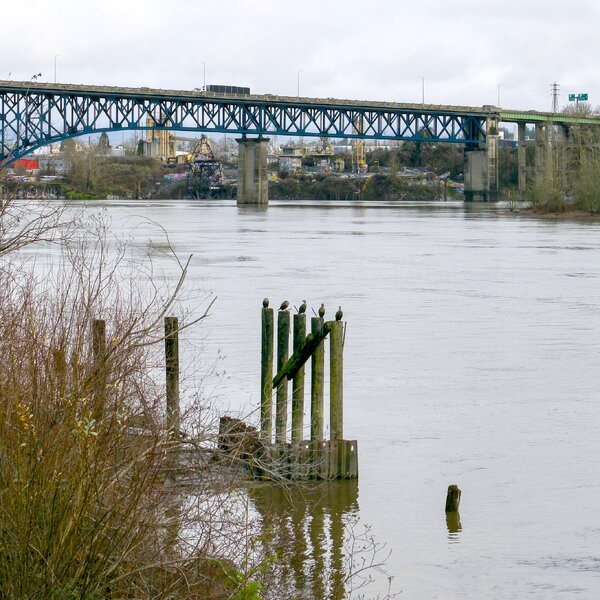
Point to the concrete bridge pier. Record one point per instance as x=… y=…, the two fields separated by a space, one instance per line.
x=253 y=183
x=522 y=160
x=481 y=167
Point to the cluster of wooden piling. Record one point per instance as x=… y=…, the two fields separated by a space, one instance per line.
x=272 y=453
x=296 y=457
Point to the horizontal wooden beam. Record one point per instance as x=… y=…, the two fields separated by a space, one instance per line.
x=299 y=358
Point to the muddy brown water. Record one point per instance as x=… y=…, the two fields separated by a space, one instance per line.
x=472 y=357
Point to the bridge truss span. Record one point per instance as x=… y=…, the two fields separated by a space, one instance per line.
x=35 y=114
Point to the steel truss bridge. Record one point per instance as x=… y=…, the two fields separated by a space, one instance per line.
x=36 y=114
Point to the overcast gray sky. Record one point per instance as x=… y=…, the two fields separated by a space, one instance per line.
x=345 y=48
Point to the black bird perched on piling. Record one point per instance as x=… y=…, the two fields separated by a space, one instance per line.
x=284 y=305
x=302 y=307
x=322 y=310
x=266 y=303
x=339 y=314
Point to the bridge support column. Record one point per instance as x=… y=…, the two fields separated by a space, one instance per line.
x=253 y=184
x=481 y=167
x=540 y=150
x=522 y=160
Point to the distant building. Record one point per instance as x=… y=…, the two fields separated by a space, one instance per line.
x=159 y=142
x=117 y=150
x=52 y=164
x=29 y=165
x=291 y=158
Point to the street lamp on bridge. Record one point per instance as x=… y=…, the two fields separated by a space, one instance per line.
x=300 y=71
x=203 y=75
x=55 y=57
x=422 y=89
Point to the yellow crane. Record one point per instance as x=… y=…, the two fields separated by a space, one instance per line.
x=359 y=162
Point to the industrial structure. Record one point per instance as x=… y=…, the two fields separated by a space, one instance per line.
x=205 y=177
x=36 y=114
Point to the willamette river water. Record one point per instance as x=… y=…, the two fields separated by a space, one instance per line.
x=471 y=357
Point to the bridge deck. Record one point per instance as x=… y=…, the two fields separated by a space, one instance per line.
x=506 y=115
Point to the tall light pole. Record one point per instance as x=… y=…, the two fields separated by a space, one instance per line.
x=499 y=95
x=55 y=57
x=300 y=71
x=203 y=75
x=422 y=89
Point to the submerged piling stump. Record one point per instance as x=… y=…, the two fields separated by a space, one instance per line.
x=453 y=499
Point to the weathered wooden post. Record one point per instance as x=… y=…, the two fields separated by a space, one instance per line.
x=99 y=357
x=317 y=383
x=298 y=382
x=336 y=380
x=452 y=499
x=452 y=514
x=172 y=372
x=266 y=375
x=283 y=335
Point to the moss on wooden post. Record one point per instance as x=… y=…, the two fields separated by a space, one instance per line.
x=266 y=377
x=283 y=335
x=172 y=372
x=336 y=380
x=317 y=383
x=298 y=382
x=99 y=357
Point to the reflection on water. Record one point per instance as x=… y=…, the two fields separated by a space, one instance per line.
x=305 y=527
x=454 y=525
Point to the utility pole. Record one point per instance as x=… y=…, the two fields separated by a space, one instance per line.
x=55 y=57
x=555 y=87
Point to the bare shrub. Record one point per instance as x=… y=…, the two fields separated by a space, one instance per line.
x=88 y=502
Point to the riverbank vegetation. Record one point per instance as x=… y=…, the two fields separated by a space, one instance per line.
x=377 y=186
x=99 y=499
x=89 y=507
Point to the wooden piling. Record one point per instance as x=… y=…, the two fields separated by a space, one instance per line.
x=172 y=372
x=317 y=383
x=283 y=335
x=266 y=377
x=298 y=382
x=336 y=380
x=99 y=357
x=452 y=499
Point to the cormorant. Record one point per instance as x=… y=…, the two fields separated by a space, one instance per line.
x=339 y=314
x=302 y=307
x=284 y=305
x=322 y=310
x=266 y=303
